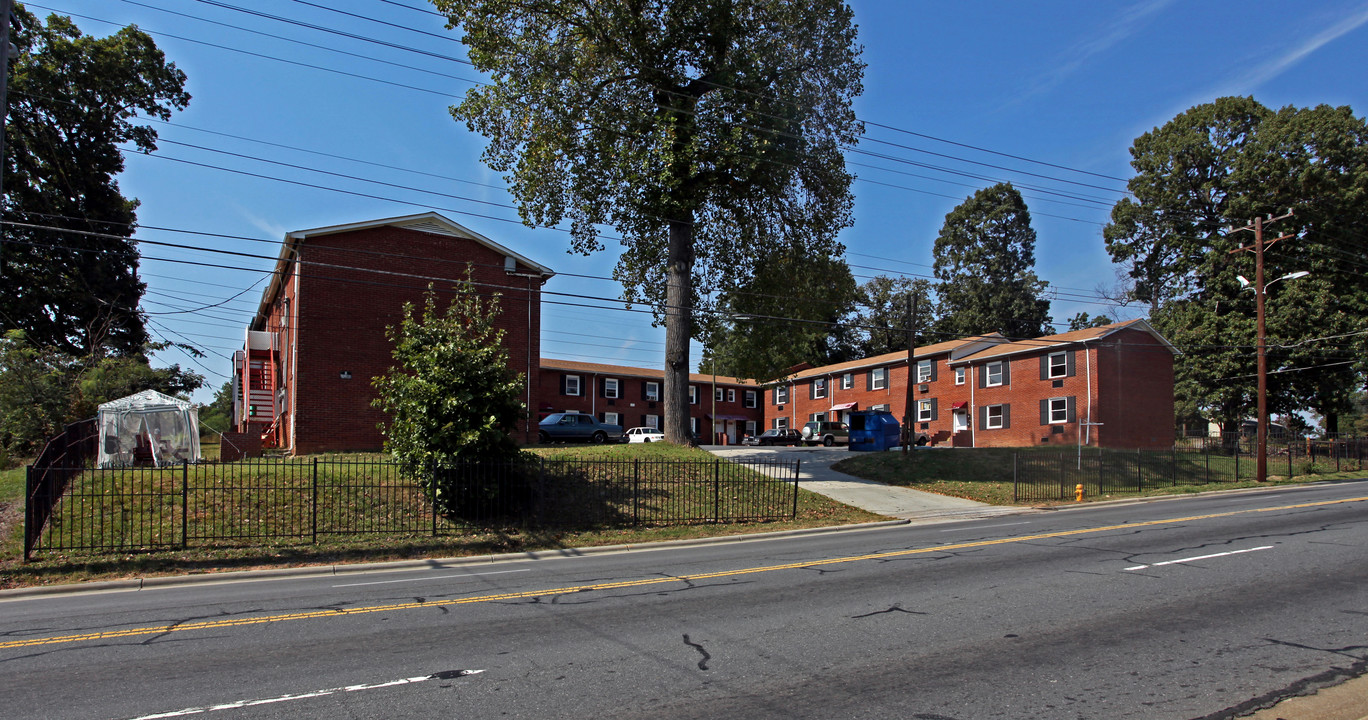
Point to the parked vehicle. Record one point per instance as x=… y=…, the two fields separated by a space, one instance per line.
x=825 y=432
x=564 y=427
x=644 y=435
x=774 y=436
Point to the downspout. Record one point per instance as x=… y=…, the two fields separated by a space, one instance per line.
x=973 y=409
x=294 y=356
x=1087 y=429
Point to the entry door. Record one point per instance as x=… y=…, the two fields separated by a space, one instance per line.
x=961 y=420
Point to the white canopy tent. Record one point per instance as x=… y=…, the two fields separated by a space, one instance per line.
x=148 y=428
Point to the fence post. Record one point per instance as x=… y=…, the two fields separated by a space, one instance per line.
x=185 y=504
x=1063 y=486
x=1206 y=452
x=1289 y=457
x=1100 y=463
x=636 y=491
x=1175 y=465
x=717 y=491
x=28 y=512
x=797 y=464
x=1237 y=459
x=1016 y=494
x=313 y=504
x=1139 y=478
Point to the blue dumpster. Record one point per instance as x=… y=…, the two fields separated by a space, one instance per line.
x=875 y=430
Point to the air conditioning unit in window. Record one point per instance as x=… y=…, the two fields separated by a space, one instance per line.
x=923 y=388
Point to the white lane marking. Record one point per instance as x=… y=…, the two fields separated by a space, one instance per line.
x=302 y=696
x=431 y=577
x=1202 y=557
x=985 y=527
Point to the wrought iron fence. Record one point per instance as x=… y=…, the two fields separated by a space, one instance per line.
x=1191 y=461
x=258 y=501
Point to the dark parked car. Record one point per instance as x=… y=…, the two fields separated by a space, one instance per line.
x=774 y=436
x=562 y=427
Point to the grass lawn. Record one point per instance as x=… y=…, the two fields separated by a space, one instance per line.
x=66 y=567
x=985 y=474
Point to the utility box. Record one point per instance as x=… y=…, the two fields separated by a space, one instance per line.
x=873 y=430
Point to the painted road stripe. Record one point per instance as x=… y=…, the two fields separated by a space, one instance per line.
x=529 y=594
x=1201 y=557
x=984 y=527
x=432 y=577
x=304 y=696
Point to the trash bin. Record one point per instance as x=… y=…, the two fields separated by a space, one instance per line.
x=873 y=430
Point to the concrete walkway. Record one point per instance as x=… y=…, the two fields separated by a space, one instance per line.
x=815 y=474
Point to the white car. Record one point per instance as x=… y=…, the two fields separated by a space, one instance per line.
x=644 y=435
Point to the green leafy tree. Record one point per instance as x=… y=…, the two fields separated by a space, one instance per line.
x=700 y=130
x=1082 y=321
x=985 y=260
x=1217 y=166
x=217 y=416
x=69 y=270
x=451 y=395
x=885 y=316
x=794 y=309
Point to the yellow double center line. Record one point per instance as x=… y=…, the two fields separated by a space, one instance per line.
x=343 y=612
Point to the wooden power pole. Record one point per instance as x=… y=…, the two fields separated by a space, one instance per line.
x=908 y=415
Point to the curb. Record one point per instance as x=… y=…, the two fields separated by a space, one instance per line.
x=211 y=578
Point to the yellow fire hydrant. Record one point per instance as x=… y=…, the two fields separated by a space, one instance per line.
x=1078 y=491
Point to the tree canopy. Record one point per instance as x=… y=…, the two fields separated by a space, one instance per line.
x=700 y=130
x=70 y=274
x=884 y=317
x=984 y=267
x=1213 y=168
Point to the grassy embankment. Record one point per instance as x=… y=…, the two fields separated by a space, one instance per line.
x=51 y=568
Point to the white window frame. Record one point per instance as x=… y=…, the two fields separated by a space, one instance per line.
x=959 y=375
x=819 y=388
x=653 y=421
x=923 y=411
x=1060 y=410
x=817 y=417
x=781 y=395
x=693 y=425
x=731 y=395
x=988 y=374
x=612 y=418
x=750 y=399
x=988 y=425
x=612 y=388
x=781 y=423
x=579 y=386
x=1059 y=370
x=923 y=371
x=878 y=379
x=652 y=391
x=693 y=394
x=750 y=428
x=880 y=407
x=718 y=394
x=847 y=381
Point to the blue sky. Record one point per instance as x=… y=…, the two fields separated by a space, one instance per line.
x=283 y=136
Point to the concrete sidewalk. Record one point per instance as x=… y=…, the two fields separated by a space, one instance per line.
x=815 y=474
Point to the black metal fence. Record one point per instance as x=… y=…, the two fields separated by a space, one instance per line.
x=1191 y=461
x=62 y=458
x=254 y=502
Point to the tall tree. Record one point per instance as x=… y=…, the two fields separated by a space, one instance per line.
x=985 y=260
x=886 y=314
x=73 y=100
x=1216 y=166
x=699 y=129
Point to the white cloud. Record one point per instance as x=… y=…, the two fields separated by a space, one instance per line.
x=1250 y=81
x=1127 y=23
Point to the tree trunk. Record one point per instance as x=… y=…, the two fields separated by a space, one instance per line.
x=678 y=329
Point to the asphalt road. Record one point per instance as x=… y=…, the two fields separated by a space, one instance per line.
x=1191 y=608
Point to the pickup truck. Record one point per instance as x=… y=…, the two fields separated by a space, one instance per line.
x=563 y=427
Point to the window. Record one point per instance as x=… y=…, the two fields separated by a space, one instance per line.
x=653 y=421
x=652 y=392
x=750 y=399
x=750 y=427
x=819 y=388
x=878 y=378
x=610 y=387
x=612 y=418
x=959 y=376
x=924 y=371
x=847 y=381
x=880 y=407
x=924 y=410
x=1059 y=410
x=731 y=395
x=1058 y=365
x=995 y=374
x=817 y=417
x=693 y=425
x=718 y=394
x=571 y=383
x=781 y=394
x=693 y=394
x=781 y=423
x=996 y=417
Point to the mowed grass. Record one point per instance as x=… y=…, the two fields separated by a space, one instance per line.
x=985 y=474
x=204 y=557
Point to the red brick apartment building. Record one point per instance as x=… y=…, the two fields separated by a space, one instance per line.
x=303 y=377
x=1106 y=387
x=631 y=397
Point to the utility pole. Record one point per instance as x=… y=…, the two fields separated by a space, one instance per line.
x=908 y=434
x=1261 y=462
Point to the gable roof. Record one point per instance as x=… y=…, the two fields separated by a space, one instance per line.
x=1050 y=342
x=954 y=347
x=428 y=222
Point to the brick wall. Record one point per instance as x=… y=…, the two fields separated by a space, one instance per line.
x=633 y=404
x=234 y=446
x=1135 y=376
x=342 y=312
